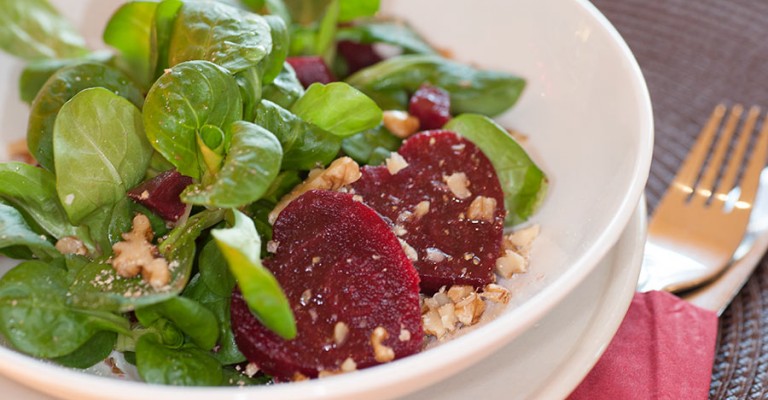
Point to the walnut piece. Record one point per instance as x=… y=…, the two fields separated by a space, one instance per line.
x=516 y=248
x=340 y=333
x=71 y=245
x=341 y=172
x=458 y=184
x=395 y=163
x=381 y=352
x=460 y=306
x=482 y=209
x=400 y=123
x=137 y=255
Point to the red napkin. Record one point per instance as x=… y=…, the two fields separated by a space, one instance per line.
x=664 y=349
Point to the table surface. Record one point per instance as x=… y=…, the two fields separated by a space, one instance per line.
x=694 y=55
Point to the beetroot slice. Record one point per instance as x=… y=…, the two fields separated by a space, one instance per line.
x=339 y=264
x=161 y=194
x=431 y=105
x=453 y=245
x=357 y=55
x=311 y=69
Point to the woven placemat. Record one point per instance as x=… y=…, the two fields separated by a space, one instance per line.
x=695 y=54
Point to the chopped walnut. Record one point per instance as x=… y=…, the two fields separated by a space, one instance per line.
x=348 y=365
x=460 y=306
x=469 y=310
x=137 y=255
x=405 y=335
x=71 y=245
x=421 y=209
x=458 y=183
x=340 y=333
x=400 y=123
x=409 y=251
x=251 y=369
x=482 y=209
x=381 y=352
x=511 y=263
x=395 y=163
x=516 y=248
x=341 y=172
x=495 y=293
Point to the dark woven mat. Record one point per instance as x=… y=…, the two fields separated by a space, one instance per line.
x=695 y=54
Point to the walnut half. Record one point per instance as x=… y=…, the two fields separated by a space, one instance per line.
x=341 y=172
x=137 y=255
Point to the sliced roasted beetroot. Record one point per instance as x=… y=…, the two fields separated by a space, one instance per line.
x=357 y=55
x=431 y=105
x=311 y=69
x=446 y=203
x=161 y=194
x=348 y=282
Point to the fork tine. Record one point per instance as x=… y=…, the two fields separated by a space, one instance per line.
x=736 y=161
x=690 y=168
x=751 y=178
x=704 y=187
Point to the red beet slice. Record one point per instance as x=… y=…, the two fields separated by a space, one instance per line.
x=161 y=194
x=453 y=244
x=431 y=105
x=311 y=69
x=357 y=55
x=340 y=266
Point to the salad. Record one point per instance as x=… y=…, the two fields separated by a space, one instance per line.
x=253 y=192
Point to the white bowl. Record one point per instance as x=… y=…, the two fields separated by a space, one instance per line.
x=587 y=114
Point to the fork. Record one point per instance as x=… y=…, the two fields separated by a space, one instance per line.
x=701 y=219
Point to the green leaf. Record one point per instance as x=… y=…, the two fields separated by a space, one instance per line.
x=33 y=29
x=36 y=73
x=192 y=318
x=524 y=184
x=14 y=231
x=361 y=147
x=325 y=44
x=472 y=90
x=95 y=350
x=285 y=89
x=216 y=32
x=393 y=33
x=36 y=318
x=162 y=29
x=337 y=108
x=100 y=151
x=354 y=9
x=250 y=85
x=60 y=88
x=185 y=366
x=186 y=98
x=32 y=191
x=305 y=146
x=129 y=30
x=250 y=167
x=227 y=351
x=214 y=271
x=241 y=246
x=281 y=43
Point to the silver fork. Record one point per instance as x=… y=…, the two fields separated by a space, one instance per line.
x=697 y=226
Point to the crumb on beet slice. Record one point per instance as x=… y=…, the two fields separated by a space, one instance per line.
x=352 y=290
x=447 y=204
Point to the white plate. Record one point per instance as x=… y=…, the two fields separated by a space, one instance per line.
x=587 y=113
x=549 y=360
